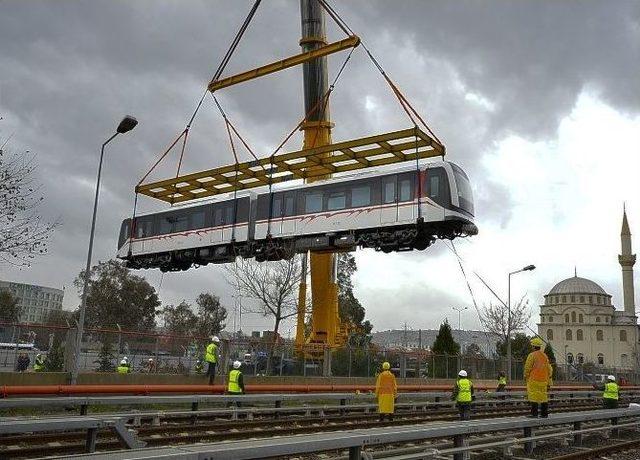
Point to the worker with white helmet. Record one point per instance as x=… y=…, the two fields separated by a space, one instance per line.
x=211 y=357
x=123 y=368
x=611 y=392
x=235 y=383
x=463 y=395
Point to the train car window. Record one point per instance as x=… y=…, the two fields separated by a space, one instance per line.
x=243 y=210
x=277 y=207
x=218 y=217
x=389 y=190
x=165 y=225
x=290 y=204
x=313 y=202
x=198 y=219
x=406 y=190
x=465 y=194
x=336 y=200
x=144 y=227
x=361 y=196
x=433 y=186
x=228 y=211
x=180 y=224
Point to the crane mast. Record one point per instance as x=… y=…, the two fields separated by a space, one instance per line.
x=325 y=320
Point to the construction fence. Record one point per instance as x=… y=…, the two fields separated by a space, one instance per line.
x=152 y=352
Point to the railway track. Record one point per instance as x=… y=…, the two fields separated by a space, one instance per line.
x=211 y=429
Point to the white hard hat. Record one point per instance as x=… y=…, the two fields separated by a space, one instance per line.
x=150 y=360
x=462 y=373
x=215 y=338
x=124 y=361
x=611 y=377
x=237 y=364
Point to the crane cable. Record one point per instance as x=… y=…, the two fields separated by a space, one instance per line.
x=184 y=134
x=404 y=102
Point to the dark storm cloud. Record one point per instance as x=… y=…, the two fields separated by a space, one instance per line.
x=71 y=69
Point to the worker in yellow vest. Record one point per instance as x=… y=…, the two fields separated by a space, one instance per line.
x=211 y=357
x=502 y=382
x=538 y=373
x=38 y=364
x=611 y=393
x=235 y=382
x=123 y=368
x=463 y=395
x=386 y=391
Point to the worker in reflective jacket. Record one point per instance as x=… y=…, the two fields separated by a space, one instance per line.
x=502 y=382
x=211 y=357
x=38 y=364
x=611 y=393
x=124 y=367
x=538 y=373
x=386 y=391
x=463 y=395
x=235 y=383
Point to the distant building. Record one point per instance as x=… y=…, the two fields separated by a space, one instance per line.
x=36 y=302
x=581 y=323
x=423 y=339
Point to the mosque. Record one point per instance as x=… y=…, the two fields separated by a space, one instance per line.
x=579 y=320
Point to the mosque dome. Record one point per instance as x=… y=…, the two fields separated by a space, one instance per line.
x=577 y=285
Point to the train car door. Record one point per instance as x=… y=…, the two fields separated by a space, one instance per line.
x=389 y=209
x=229 y=218
x=406 y=207
x=289 y=212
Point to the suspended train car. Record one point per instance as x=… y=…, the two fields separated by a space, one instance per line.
x=389 y=210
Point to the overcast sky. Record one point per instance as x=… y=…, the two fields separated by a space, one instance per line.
x=539 y=101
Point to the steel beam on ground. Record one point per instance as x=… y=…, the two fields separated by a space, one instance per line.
x=350 y=42
x=308 y=163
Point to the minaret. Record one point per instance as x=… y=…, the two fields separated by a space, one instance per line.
x=627 y=260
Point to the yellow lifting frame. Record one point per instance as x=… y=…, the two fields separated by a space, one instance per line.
x=351 y=42
x=366 y=152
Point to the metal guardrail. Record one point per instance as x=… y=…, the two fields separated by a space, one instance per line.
x=357 y=440
x=91 y=424
x=84 y=402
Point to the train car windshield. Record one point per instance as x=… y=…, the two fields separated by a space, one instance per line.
x=124 y=232
x=465 y=194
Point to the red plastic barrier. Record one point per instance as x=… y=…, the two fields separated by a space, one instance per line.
x=66 y=390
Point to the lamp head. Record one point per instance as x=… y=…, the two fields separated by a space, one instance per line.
x=529 y=268
x=127 y=124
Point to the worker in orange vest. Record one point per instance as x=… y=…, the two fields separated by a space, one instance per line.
x=386 y=391
x=538 y=373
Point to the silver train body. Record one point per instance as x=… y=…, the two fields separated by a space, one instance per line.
x=391 y=210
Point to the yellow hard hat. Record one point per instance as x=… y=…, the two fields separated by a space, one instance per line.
x=537 y=342
x=386 y=366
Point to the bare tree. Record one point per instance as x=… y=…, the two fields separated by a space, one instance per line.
x=274 y=287
x=495 y=318
x=23 y=233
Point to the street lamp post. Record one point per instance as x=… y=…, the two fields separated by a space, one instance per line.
x=524 y=269
x=459 y=310
x=126 y=125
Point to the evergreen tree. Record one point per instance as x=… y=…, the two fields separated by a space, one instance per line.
x=349 y=307
x=444 y=343
x=520 y=346
x=54 y=361
x=548 y=350
x=105 y=358
x=446 y=349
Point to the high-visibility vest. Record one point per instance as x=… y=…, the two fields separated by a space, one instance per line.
x=610 y=391
x=38 y=365
x=540 y=369
x=199 y=368
x=464 y=391
x=123 y=369
x=502 y=381
x=232 y=385
x=211 y=355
